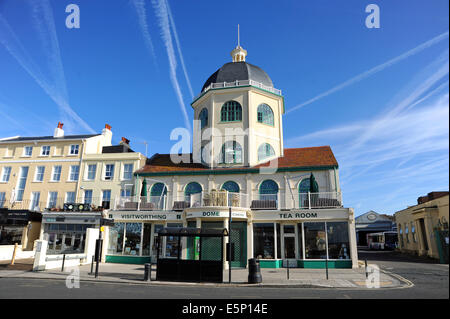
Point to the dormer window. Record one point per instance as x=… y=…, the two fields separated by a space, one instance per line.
x=27 y=150
x=74 y=149
x=45 y=150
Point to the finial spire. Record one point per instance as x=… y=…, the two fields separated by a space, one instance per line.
x=239 y=53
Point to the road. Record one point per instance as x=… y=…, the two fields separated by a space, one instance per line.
x=429 y=278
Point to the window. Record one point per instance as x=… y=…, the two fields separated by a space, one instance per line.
x=338 y=242
x=2 y=199
x=109 y=172
x=88 y=196
x=70 y=197
x=158 y=188
x=52 y=198
x=315 y=241
x=231 y=153
x=268 y=190
x=27 y=150
x=116 y=235
x=407 y=233
x=231 y=186
x=265 y=114
x=106 y=198
x=203 y=117
x=6 y=173
x=132 y=239
x=400 y=235
x=39 y=174
x=74 y=171
x=413 y=232
x=22 y=182
x=45 y=150
x=125 y=192
x=192 y=188
x=92 y=170
x=231 y=112
x=35 y=196
x=127 y=171
x=264 y=240
x=56 y=175
x=74 y=149
x=265 y=150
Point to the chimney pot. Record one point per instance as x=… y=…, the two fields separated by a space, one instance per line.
x=108 y=127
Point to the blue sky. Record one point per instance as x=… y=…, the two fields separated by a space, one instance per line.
x=378 y=97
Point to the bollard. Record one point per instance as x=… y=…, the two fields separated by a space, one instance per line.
x=148 y=272
x=367 y=274
x=326 y=266
x=92 y=266
x=13 y=259
x=254 y=271
x=287 y=261
x=64 y=259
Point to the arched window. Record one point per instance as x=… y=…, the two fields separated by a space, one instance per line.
x=265 y=150
x=231 y=112
x=157 y=189
x=231 y=186
x=203 y=117
x=268 y=190
x=265 y=114
x=303 y=188
x=231 y=153
x=192 y=188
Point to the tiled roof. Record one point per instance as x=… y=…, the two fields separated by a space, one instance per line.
x=307 y=157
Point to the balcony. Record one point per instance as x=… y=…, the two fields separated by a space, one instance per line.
x=57 y=205
x=222 y=198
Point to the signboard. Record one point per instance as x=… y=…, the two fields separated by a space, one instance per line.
x=306 y=214
x=144 y=216
x=215 y=214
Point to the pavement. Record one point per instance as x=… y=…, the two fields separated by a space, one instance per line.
x=273 y=278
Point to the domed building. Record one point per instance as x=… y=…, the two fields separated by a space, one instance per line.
x=286 y=204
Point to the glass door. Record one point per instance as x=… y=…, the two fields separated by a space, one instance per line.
x=289 y=245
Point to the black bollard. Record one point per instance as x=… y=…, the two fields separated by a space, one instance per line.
x=148 y=272
x=254 y=271
x=92 y=266
x=367 y=274
x=326 y=265
x=287 y=262
x=64 y=259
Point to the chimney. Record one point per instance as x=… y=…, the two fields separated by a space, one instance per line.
x=124 y=141
x=106 y=132
x=59 y=132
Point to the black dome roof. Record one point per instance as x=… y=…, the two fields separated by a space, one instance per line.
x=241 y=71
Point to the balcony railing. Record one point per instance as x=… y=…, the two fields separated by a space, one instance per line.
x=221 y=198
x=58 y=204
x=238 y=83
x=318 y=200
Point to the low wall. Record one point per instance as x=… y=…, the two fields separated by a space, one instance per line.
x=6 y=252
x=55 y=261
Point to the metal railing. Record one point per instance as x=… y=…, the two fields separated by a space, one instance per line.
x=141 y=203
x=238 y=83
x=318 y=200
x=265 y=201
x=217 y=198
x=52 y=205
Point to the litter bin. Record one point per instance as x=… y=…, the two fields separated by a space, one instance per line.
x=254 y=271
x=148 y=272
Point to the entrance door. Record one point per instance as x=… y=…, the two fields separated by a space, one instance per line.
x=289 y=245
x=239 y=239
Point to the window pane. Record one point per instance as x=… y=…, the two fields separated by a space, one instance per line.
x=146 y=240
x=133 y=239
x=338 y=241
x=263 y=241
x=315 y=241
x=116 y=238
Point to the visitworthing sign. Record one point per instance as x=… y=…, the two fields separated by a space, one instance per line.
x=305 y=214
x=144 y=216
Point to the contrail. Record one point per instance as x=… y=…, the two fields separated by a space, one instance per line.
x=374 y=70
x=58 y=93
x=139 y=5
x=172 y=23
x=164 y=24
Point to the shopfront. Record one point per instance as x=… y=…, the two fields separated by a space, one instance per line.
x=66 y=231
x=132 y=239
x=304 y=239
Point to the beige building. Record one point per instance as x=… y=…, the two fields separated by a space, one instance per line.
x=422 y=227
x=44 y=172
x=109 y=175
